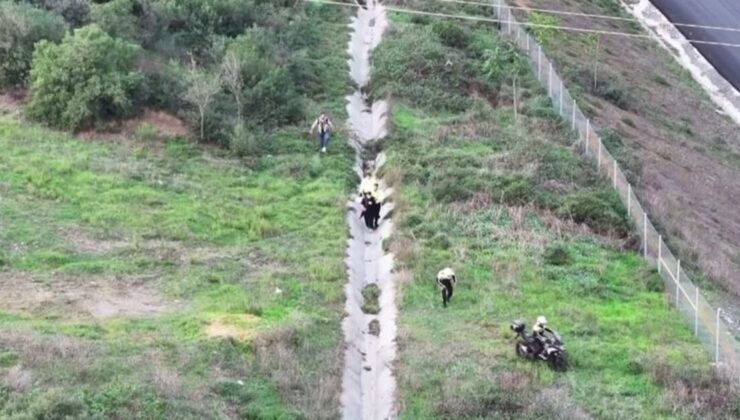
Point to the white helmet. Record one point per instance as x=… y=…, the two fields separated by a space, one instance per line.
x=541 y=320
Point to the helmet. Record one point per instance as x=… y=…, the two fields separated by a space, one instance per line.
x=517 y=326
x=541 y=320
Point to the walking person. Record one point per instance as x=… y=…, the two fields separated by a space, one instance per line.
x=445 y=280
x=324 y=126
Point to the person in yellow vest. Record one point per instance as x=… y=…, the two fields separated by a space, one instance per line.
x=445 y=281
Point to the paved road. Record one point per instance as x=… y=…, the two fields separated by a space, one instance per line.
x=724 y=13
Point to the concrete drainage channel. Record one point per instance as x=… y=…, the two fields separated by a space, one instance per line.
x=368 y=385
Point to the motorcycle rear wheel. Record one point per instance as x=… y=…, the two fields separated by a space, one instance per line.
x=558 y=361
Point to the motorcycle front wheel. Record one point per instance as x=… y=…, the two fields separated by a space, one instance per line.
x=521 y=350
x=558 y=361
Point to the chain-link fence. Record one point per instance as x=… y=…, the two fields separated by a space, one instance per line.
x=704 y=320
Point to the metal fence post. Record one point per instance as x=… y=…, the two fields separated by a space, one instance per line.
x=629 y=200
x=508 y=23
x=585 y=141
x=716 y=339
x=549 y=81
x=696 y=312
x=644 y=234
x=539 y=62
x=615 y=174
x=573 y=122
x=527 y=44
x=561 y=97
x=660 y=253
x=678 y=280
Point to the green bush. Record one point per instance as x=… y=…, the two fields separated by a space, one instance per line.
x=609 y=89
x=274 y=101
x=244 y=142
x=451 y=34
x=145 y=132
x=601 y=210
x=88 y=77
x=433 y=77
x=116 y=17
x=21 y=26
x=557 y=254
x=75 y=12
x=541 y=106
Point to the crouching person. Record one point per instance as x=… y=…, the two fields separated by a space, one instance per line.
x=445 y=281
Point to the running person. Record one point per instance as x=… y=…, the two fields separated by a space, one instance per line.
x=324 y=126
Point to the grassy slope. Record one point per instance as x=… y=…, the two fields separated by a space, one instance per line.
x=210 y=232
x=213 y=236
x=460 y=362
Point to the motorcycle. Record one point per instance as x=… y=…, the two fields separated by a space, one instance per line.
x=551 y=350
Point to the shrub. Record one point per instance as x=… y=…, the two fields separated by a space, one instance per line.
x=21 y=26
x=75 y=12
x=274 y=101
x=244 y=142
x=145 y=132
x=451 y=34
x=542 y=28
x=609 y=89
x=163 y=87
x=433 y=77
x=455 y=184
x=557 y=254
x=601 y=210
x=88 y=77
x=503 y=64
x=116 y=17
x=541 y=106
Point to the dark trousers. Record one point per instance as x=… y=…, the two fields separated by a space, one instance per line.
x=324 y=139
x=447 y=284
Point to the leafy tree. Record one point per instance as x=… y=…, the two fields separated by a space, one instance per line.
x=90 y=76
x=202 y=87
x=544 y=28
x=592 y=43
x=21 y=26
x=503 y=64
x=116 y=17
x=231 y=74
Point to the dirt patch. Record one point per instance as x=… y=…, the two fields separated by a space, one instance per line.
x=11 y=103
x=151 y=125
x=91 y=297
x=87 y=243
x=237 y=327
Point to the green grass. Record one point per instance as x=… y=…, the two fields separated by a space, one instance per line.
x=606 y=302
x=216 y=234
x=254 y=247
